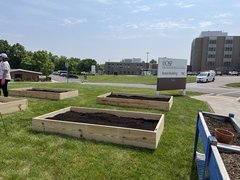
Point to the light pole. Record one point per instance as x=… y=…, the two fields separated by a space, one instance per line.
x=147 y=56
x=147 y=62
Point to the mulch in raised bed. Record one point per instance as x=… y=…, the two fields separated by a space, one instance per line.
x=107 y=119
x=231 y=160
x=214 y=123
x=47 y=90
x=232 y=164
x=138 y=97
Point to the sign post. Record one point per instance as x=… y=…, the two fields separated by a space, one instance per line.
x=172 y=74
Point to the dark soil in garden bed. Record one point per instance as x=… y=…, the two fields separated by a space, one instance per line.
x=107 y=119
x=232 y=164
x=48 y=90
x=138 y=97
x=214 y=123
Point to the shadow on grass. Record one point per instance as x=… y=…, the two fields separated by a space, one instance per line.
x=193 y=174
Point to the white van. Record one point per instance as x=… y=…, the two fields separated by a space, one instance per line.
x=206 y=76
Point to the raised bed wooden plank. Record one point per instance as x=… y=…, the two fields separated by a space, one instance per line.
x=214 y=162
x=44 y=93
x=8 y=104
x=147 y=103
x=119 y=135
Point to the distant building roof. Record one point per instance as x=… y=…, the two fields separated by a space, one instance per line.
x=28 y=71
x=213 y=33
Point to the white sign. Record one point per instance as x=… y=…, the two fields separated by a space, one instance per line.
x=66 y=64
x=93 y=69
x=172 y=68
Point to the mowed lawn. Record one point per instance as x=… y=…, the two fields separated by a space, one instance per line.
x=131 y=79
x=25 y=154
x=236 y=85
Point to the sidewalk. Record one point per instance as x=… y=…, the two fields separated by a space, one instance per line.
x=222 y=104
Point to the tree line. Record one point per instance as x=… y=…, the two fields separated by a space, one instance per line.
x=43 y=61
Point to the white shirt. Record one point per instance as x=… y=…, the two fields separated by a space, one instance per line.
x=5 y=68
x=1 y=72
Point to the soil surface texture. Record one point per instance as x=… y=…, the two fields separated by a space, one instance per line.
x=48 y=90
x=107 y=119
x=214 y=123
x=232 y=164
x=138 y=97
x=231 y=160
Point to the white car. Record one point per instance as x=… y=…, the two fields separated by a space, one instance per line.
x=207 y=76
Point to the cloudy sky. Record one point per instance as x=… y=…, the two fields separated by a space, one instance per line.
x=110 y=30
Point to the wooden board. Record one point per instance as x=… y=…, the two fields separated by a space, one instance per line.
x=118 y=135
x=57 y=95
x=216 y=167
x=8 y=104
x=146 y=104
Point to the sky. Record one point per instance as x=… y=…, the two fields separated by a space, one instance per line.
x=111 y=30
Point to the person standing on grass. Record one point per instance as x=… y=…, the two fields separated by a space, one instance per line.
x=0 y=74
x=5 y=73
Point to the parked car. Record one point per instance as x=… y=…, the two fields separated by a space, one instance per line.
x=219 y=73
x=233 y=73
x=73 y=76
x=206 y=76
x=63 y=74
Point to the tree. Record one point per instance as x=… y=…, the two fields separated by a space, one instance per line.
x=85 y=65
x=42 y=62
x=4 y=46
x=153 y=61
x=27 y=62
x=17 y=54
x=73 y=64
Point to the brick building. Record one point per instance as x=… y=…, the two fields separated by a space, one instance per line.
x=25 y=75
x=215 y=50
x=127 y=68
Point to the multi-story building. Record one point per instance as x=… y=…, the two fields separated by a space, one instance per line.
x=132 y=60
x=215 y=50
x=128 y=68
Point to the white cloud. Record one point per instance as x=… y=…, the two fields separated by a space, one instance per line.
x=72 y=21
x=143 y=8
x=161 y=4
x=45 y=4
x=104 y=1
x=185 y=5
x=132 y=2
x=224 y=15
x=204 y=24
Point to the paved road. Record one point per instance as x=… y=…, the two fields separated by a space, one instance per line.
x=215 y=88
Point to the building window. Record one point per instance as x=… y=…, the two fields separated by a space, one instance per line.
x=211 y=49
x=211 y=55
x=227 y=56
x=228 y=41
x=210 y=63
x=228 y=49
x=212 y=42
x=227 y=64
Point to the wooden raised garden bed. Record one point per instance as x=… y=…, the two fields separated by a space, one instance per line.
x=8 y=104
x=137 y=100
x=121 y=127
x=222 y=161
x=44 y=93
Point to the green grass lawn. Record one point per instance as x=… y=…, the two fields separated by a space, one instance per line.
x=25 y=154
x=236 y=85
x=151 y=80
